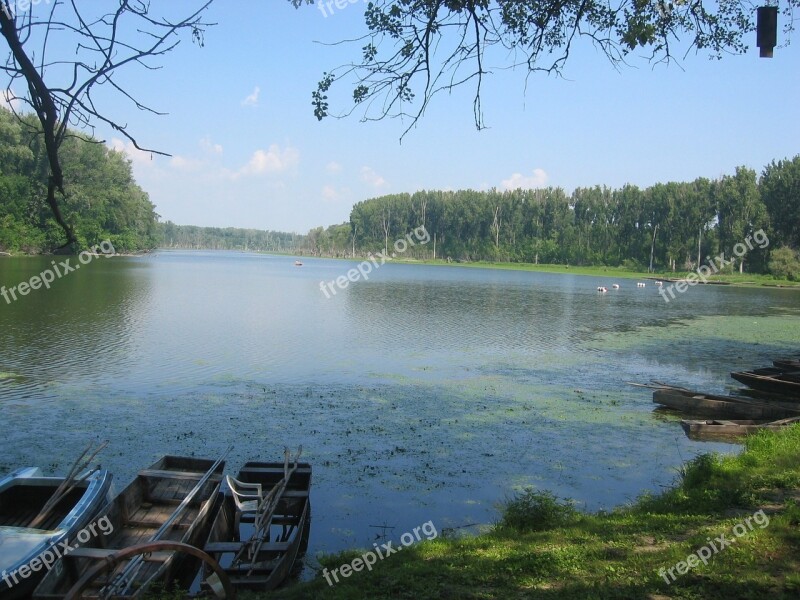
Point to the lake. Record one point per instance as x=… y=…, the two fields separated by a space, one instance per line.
x=423 y=393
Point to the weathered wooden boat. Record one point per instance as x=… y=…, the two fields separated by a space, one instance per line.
x=723 y=407
x=263 y=524
x=170 y=501
x=719 y=428
x=58 y=510
x=773 y=380
x=787 y=364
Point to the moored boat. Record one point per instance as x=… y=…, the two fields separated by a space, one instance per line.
x=725 y=407
x=263 y=524
x=787 y=364
x=723 y=428
x=35 y=524
x=170 y=501
x=773 y=380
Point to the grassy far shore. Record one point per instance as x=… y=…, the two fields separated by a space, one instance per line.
x=614 y=272
x=730 y=528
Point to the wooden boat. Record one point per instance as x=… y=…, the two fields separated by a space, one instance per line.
x=718 y=428
x=787 y=364
x=24 y=493
x=262 y=558
x=170 y=501
x=773 y=380
x=723 y=407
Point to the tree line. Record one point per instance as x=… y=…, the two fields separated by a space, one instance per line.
x=191 y=237
x=103 y=201
x=665 y=227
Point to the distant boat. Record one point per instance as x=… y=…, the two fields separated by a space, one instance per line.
x=640 y=284
x=717 y=429
x=297 y=263
x=23 y=495
x=602 y=289
x=615 y=286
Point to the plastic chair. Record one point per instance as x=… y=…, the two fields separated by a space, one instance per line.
x=248 y=498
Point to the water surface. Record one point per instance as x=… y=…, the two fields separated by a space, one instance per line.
x=423 y=393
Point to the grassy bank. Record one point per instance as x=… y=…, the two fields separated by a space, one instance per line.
x=608 y=273
x=542 y=548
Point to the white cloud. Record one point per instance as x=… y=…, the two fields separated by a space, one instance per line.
x=252 y=99
x=208 y=146
x=137 y=157
x=518 y=180
x=273 y=160
x=372 y=178
x=333 y=167
x=186 y=164
x=329 y=193
x=11 y=101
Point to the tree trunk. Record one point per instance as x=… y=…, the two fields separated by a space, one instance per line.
x=652 y=248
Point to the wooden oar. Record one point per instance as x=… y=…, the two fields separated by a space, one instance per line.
x=69 y=483
x=128 y=574
x=270 y=504
x=266 y=509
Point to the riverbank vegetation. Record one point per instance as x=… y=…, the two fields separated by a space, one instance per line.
x=543 y=548
x=668 y=227
x=104 y=202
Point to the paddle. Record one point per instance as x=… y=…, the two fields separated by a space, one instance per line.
x=69 y=483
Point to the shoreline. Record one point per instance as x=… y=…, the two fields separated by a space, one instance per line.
x=657 y=546
x=733 y=279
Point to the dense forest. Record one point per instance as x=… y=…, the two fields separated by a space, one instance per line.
x=666 y=227
x=103 y=201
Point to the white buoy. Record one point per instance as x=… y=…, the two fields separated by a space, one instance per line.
x=615 y=286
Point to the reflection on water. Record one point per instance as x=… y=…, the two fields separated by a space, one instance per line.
x=423 y=393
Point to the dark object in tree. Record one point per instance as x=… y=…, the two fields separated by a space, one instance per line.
x=413 y=50
x=130 y=34
x=766 y=30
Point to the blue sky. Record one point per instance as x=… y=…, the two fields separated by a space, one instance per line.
x=248 y=152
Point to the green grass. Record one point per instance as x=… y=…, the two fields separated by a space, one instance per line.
x=543 y=548
x=611 y=272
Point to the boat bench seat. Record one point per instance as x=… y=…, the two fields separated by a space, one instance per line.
x=193 y=475
x=223 y=547
x=103 y=553
x=274 y=470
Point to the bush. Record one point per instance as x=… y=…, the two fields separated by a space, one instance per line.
x=784 y=263
x=531 y=510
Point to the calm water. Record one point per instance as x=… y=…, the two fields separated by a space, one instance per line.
x=424 y=393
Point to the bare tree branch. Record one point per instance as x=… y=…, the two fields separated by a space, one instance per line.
x=428 y=45
x=60 y=91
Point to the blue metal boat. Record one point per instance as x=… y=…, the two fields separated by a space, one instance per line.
x=28 y=553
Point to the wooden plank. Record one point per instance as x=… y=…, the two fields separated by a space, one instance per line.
x=186 y=475
x=220 y=547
